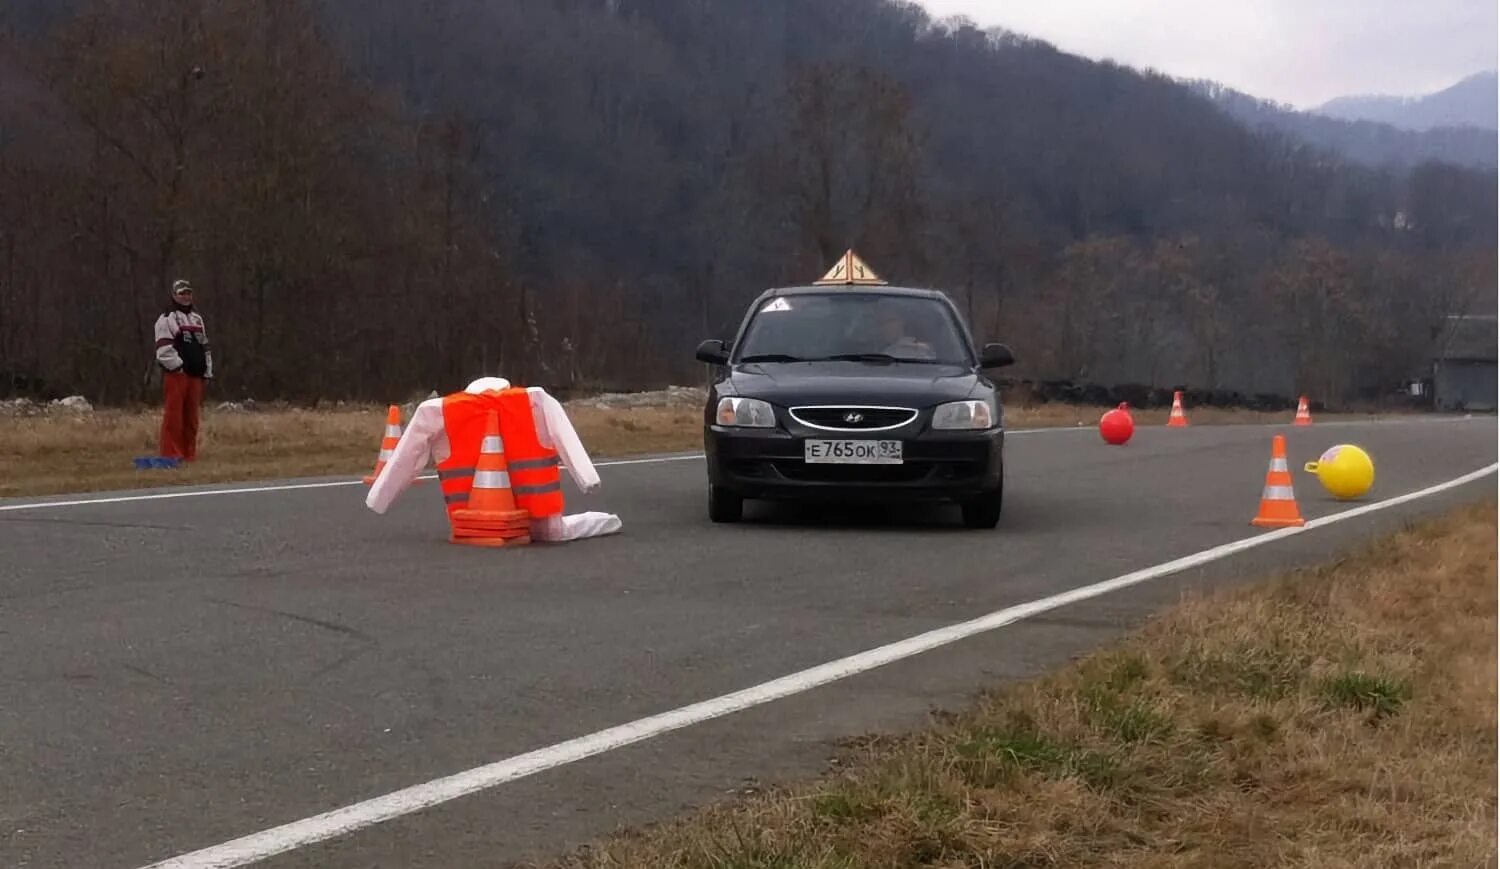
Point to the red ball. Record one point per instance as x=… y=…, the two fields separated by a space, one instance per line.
x=1116 y=426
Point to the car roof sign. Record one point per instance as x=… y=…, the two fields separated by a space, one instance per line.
x=850 y=269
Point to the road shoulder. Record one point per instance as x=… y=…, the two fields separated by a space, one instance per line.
x=1342 y=714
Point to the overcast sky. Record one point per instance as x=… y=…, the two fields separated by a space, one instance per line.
x=1302 y=52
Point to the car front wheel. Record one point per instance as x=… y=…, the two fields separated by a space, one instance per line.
x=984 y=511
x=724 y=505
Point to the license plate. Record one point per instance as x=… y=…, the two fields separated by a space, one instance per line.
x=852 y=452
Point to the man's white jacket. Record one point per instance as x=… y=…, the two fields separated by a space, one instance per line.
x=168 y=326
x=425 y=440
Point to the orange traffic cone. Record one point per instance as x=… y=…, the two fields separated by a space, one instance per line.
x=1178 y=419
x=1278 y=504
x=492 y=518
x=388 y=443
x=1303 y=416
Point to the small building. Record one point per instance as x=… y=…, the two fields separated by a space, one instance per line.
x=1463 y=364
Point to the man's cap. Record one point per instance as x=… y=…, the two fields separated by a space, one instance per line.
x=181 y=285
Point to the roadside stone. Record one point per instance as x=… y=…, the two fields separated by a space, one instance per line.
x=75 y=403
x=19 y=407
x=672 y=396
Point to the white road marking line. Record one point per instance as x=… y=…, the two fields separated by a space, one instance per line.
x=279 y=487
x=163 y=496
x=291 y=487
x=654 y=460
x=356 y=816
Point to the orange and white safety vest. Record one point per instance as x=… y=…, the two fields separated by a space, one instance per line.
x=535 y=470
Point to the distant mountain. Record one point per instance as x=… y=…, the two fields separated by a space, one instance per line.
x=1361 y=141
x=1469 y=103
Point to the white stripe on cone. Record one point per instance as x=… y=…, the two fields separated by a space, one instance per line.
x=491 y=480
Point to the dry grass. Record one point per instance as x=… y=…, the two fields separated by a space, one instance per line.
x=1335 y=717
x=76 y=453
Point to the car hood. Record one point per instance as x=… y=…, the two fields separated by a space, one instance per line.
x=911 y=385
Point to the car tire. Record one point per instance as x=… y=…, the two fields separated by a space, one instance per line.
x=724 y=505
x=983 y=512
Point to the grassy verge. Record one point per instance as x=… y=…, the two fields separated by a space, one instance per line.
x=1334 y=717
x=62 y=452
x=90 y=452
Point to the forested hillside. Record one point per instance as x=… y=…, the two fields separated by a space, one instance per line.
x=386 y=196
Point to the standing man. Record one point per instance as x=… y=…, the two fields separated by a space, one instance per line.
x=182 y=350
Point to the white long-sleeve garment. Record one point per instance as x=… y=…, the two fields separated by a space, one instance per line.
x=173 y=323
x=425 y=440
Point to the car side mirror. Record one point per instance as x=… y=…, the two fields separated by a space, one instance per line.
x=713 y=351
x=996 y=356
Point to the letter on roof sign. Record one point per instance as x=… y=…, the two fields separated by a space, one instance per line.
x=850 y=269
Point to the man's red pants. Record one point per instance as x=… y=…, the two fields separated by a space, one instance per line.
x=179 y=418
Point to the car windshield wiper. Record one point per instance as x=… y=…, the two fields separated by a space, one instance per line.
x=872 y=357
x=771 y=357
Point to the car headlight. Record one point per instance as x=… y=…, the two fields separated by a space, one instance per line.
x=745 y=413
x=974 y=415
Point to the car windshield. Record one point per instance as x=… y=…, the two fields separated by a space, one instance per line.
x=858 y=327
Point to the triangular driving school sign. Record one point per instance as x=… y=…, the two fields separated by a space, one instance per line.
x=850 y=269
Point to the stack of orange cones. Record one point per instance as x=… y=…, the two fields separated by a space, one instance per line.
x=1278 y=503
x=1178 y=419
x=492 y=518
x=387 y=443
x=1303 y=416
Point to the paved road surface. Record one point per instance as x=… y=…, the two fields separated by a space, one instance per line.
x=182 y=672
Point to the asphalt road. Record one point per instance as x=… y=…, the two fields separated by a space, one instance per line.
x=182 y=672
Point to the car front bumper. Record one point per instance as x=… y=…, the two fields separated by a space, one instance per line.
x=769 y=464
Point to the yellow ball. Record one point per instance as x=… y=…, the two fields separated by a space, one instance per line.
x=1345 y=471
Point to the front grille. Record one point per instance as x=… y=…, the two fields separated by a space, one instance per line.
x=911 y=472
x=918 y=471
x=853 y=418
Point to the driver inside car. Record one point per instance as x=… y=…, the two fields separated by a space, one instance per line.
x=899 y=337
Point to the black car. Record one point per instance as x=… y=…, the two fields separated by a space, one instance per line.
x=854 y=393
